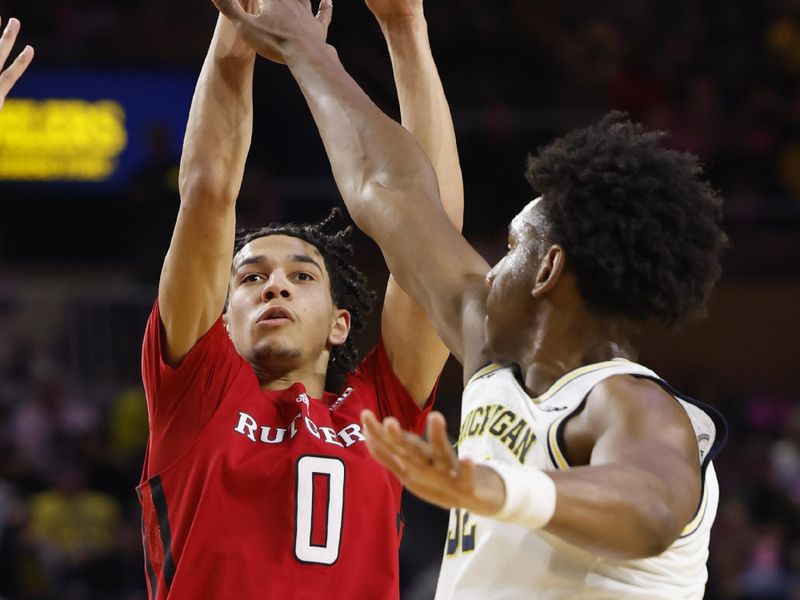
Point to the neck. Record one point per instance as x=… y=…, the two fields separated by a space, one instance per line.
x=562 y=343
x=312 y=378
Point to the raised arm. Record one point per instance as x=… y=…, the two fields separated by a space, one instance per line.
x=423 y=105
x=385 y=178
x=194 y=278
x=10 y=75
x=415 y=350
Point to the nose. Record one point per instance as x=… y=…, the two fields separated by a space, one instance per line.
x=277 y=286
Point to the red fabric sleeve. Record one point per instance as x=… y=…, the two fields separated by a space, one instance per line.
x=392 y=397
x=182 y=400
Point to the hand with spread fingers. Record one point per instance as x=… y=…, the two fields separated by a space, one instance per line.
x=9 y=76
x=431 y=469
x=278 y=26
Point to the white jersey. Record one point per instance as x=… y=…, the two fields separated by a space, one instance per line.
x=485 y=559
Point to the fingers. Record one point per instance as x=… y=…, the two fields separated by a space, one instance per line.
x=410 y=447
x=399 y=450
x=15 y=70
x=9 y=76
x=430 y=470
x=399 y=447
x=325 y=15
x=233 y=10
x=379 y=445
x=249 y=6
x=7 y=39
x=442 y=452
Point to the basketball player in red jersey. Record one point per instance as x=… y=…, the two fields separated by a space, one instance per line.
x=10 y=75
x=257 y=481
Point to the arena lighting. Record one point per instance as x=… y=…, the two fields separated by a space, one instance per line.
x=61 y=139
x=93 y=129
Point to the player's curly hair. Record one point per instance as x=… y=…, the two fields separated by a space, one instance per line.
x=639 y=223
x=348 y=284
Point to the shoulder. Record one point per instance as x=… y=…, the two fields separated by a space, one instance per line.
x=374 y=377
x=631 y=396
x=635 y=407
x=373 y=363
x=214 y=342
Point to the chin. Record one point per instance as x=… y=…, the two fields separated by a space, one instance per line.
x=276 y=353
x=496 y=349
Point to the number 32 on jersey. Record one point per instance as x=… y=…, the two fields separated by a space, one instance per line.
x=460 y=534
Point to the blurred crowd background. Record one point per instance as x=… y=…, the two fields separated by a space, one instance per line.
x=79 y=263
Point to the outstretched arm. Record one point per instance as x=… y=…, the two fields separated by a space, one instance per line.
x=416 y=353
x=638 y=489
x=194 y=278
x=9 y=76
x=384 y=177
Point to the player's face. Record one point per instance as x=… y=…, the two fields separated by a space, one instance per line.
x=510 y=306
x=281 y=315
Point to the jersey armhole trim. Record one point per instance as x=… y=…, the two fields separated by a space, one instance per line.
x=720 y=424
x=721 y=430
x=556 y=448
x=483 y=372
x=694 y=524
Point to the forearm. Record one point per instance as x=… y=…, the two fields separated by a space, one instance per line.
x=614 y=511
x=378 y=165
x=219 y=128
x=610 y=510
x=423 y=105
x=416 y=352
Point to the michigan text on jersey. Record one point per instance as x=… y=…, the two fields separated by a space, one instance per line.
x=500 y=422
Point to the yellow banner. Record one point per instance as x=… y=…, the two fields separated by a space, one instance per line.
x=56 y=140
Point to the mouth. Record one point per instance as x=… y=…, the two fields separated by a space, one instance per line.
x=275 y=316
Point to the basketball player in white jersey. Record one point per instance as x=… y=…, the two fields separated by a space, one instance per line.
x=580 y=474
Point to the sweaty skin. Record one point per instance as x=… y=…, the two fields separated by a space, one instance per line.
x=392 y=194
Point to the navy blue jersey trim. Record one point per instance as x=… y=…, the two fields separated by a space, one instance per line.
x=148 y=566
x=160 y=503
x=720 y=425
x=562 y=445
x=721 y=436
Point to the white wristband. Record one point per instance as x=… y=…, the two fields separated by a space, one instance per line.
x=530 y=495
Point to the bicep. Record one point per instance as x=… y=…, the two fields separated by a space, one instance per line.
x=655 y=439
x=195 y=274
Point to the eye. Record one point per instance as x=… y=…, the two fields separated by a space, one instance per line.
x=302 y=276
x=252 y=278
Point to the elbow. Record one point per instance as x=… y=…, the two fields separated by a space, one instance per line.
x=659 y=528
x=382 y=206
x=203 y=187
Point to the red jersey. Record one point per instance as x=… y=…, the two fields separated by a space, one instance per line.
x=249 y=493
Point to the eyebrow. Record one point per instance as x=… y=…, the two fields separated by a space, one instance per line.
x=260 y=258
x=304 y=258
x=248 y=261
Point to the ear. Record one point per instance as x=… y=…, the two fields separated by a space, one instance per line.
x=340 y=327
x=550 y=270
x=226 y=322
